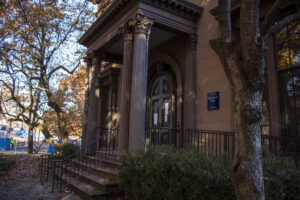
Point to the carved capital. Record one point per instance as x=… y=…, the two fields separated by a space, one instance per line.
x=141 y=23
x=127 y=31
x=191 y=42
x=96 y=61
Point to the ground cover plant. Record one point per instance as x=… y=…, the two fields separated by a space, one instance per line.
x=169 y=174
x=5 y=164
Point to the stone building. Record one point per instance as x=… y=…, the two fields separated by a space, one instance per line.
x=150 y=65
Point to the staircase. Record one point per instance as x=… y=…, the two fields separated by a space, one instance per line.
x=98 y=180
x=89 y=173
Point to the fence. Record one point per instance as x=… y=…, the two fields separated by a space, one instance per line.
x=218 y=142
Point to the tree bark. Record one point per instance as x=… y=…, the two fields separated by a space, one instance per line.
x=30 y=139
x=243 y=63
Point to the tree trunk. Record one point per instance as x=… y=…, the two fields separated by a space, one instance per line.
x=243 y=63
x=247 y=175
x=30 y=139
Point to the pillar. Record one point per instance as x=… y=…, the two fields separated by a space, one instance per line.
x=137 y=124
x=86 y=99
x=190 y=108
x=126 y=87
x=94 y=93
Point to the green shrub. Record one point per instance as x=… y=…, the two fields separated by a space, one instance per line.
x=282 y=180
x=69 y=149
x=5 y=164
x=165 y=174
x=181 y=175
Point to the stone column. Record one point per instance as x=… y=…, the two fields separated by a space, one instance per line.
x=94 y=93
x=86 y=103
x=126 y=70
x=190 y=74
x=137 y=124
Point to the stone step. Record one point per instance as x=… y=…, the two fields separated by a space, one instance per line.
x=107 y=153
x=89 y=185
x=105 y=172
x=106 y=184
x=108 y=162
x=71 y=196
x=87 y=191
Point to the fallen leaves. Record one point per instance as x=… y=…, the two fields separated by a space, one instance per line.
x=23 y=181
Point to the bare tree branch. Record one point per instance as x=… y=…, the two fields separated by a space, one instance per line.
x=271 y=16
x=280 y=24
x=62 y=68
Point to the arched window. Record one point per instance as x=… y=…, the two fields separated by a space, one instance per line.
x=161 y=102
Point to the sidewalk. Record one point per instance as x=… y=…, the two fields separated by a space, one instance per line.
x=22 y=181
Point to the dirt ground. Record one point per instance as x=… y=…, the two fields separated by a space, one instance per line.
x=22 y=182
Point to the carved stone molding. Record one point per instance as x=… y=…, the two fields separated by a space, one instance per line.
x=182 y=8
x=191 y=42
x=96 y=61
x=141 y=23
x=109 y=76
x=127 y=31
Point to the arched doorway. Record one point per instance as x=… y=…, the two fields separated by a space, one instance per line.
x=161 y=109
x=161 y=106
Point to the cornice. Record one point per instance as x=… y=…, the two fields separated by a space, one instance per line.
x=103 y=20
x=182 y=7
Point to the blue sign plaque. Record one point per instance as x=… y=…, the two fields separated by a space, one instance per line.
x=213 y=101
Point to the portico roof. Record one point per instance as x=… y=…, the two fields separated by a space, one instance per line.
x=176 y=14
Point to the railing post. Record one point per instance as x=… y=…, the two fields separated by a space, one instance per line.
x=42 y=166
x=53 y=175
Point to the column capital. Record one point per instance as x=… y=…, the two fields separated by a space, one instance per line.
x=191 y=42
x=96 y=61
x=141 y=23
x=127 y=31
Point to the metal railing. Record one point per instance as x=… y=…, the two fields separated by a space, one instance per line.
x=46 y=162
x=283 y=147
x=206 y=141
x=158 y=136
x=219 y=142
x=66 y=169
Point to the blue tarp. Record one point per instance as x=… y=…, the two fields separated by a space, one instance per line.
x=7 y=143
x=22 y=132
x=52 y=149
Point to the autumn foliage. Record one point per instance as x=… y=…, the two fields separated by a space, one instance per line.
x=38 y=50
x=70 y=96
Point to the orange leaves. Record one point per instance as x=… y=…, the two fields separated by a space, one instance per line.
x=70 y=97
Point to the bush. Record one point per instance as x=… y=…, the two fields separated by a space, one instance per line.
x=5 y=164
x=165 y=174
x=282 y=180
x=180 y=175
x=69 y=149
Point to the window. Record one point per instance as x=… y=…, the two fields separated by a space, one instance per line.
x=287 y=50
x=161 y=100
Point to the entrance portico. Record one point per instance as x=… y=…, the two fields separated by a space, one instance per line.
x=134 y=33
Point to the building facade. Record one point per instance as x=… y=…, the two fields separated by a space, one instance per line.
x=150 y=65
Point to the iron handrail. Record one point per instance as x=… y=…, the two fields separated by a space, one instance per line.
x=45 y=159
x=87 y=146
x=81 y=155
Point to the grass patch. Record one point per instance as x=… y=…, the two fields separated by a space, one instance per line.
x=5 y=164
